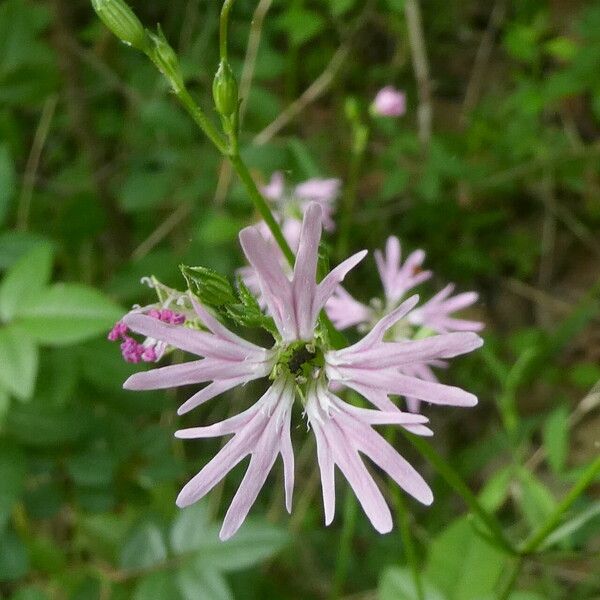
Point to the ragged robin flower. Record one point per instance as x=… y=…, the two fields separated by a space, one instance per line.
x=302 y=368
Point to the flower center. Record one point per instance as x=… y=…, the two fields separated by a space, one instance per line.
x=302 y=360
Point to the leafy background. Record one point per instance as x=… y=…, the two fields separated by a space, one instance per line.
x=103 y=180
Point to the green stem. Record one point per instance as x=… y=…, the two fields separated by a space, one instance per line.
x=349 y=199
x=408 y=543
x=507 y=589
x=261 y=205
x=537 y=539
x=224 y=21
x=202 y=121
x=343 y=560
x=456 y=482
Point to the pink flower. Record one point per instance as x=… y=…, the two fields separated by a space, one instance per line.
x=295 y=303
x=398 y=278
x=301 y=359
x=374 y=368
x=389 y=102
x=275 y=188
x=263 y=431
x=435 y=314
x=342 y=432
x=227 y=360
x=345 y=311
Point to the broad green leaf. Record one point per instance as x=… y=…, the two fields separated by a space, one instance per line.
x=194 y=583
x=35 y=425
x=301 y=24
x=190 y=528
x=536 y=502
x=397 y=583
x=25 y=280
x=68 y=313
x=14 y=562
x=19 y=359
x=462 y=564
x=526 y=596
x=253 y=543
x=495 y=489
x=93 y=468
x=7 y=182
x=144 y=548
x=12 y=476
x=15 y=244
x=556 y=438
x=157 y=586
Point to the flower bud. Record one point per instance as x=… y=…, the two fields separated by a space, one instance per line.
x=165 y=58
x=121 y=20
x=225 y=90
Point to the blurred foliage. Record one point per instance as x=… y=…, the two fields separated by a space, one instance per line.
x=103 y=180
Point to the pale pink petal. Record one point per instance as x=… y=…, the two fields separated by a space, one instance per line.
x=209 y=392
x=345 y=311
x=326 y=467
x=274 y=285
x=274 y=189
x=334 y=278
x=386 y=457
x=263 y=458
x=305 y=271
x=368 y=494
x=226 y=459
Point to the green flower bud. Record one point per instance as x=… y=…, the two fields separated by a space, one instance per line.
x=225 y=90
x=167 y=61
x=121 y=20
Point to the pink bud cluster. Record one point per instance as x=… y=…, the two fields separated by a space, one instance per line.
x=150 y=350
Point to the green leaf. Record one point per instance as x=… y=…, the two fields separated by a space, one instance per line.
x=462 y=564
x=14 y=562
x=144 y=548
x=537 y=503
x=247 y=311
x=25 y=280
x=12 y=476
x=397 y=583
x=19 y=358
x=211 y=287
x=7 y=182
x=495 y=489
x=68 y=313
x=194 y=583
x=189 y=529
x=157 y=586
x=556 y=438
x=301 y=24
x=252 y=544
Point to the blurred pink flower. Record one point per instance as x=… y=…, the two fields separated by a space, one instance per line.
x=390 y=102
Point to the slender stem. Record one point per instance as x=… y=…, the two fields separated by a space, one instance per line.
x=343 y=560
x=349 y=200
x=507 y=588
x=408 y=543
x=261 y=205
x=202 y=121
x=455 y=481
x=536 y=540
x=223 y=28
